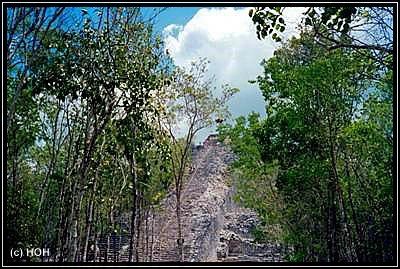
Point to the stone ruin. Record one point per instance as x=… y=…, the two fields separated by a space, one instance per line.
x=214 y=227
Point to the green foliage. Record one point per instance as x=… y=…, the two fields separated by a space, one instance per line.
x=309 y=111
x=336 y=18
x=89 y=105
x=254 y=179
x=336 y=28
x=327 y=139
x=269 y=22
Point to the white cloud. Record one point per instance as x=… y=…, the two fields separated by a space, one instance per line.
x=227 y=37
x=172 y=29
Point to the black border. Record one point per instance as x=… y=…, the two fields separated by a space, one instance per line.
x=221 y=3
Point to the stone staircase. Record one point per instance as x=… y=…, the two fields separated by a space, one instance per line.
x=209 y=164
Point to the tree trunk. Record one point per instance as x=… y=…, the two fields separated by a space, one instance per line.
x=346 y=236
x=332 y=186
x=89 y=223
x=134 y=198
x=54 y=153
x=152 y=233
x=96 y=247
x=359 y=250
x=178 y=217
x=147 y=234
x=138 y=203
x=76 y=227
x=62 y=211
x=106 y=259
x=90 y=212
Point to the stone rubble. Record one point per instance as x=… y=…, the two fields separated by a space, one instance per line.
x=236 y=242
x=214 y=228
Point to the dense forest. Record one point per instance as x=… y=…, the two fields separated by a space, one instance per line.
x=101 y=125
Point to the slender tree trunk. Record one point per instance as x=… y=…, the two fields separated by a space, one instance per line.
x=79 y=197
x=110 y=233
x=346 y=236
x=120 y=236
x=138 y=203
x=178 y=217
x=62 y=211
x=152 y=233
x=61 y=224
x=90 y=212
x=333 y=185
x=15 y=197
x=359 y=250
x=54 y=153
x=70 y=222
x=133 y=209
x=143 y=242
x=76 y=227
x=96 y=246
x=106 y=258
x=147 y=233
x=330 y=224
x=114 y=243
x=89 y=223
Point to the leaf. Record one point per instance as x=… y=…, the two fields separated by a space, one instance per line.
x=251 y=13
x=346 y=28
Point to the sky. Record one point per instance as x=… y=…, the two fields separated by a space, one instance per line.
x=226 y=37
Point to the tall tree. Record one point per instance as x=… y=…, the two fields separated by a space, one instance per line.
x=192 y=107
x=314 y=99
x=84 y=86
x=25 y=26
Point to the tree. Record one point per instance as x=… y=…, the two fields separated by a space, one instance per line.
x=25 y=25
x=84 y=86
x=367 y=33
x=191 y=108
x=363 y=29
x=314 y=99
x=253 y=178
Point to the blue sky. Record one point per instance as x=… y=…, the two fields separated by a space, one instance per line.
x=173 y=15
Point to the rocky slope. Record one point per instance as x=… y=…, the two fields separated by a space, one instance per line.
x=214 y=227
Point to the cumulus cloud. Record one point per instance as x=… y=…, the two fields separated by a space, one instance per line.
x=227 y=37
